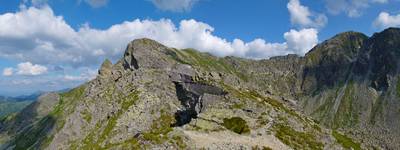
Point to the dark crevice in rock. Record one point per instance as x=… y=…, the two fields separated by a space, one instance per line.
x=190 y=94
x=189 y=101
x=130 y=62
x=134 y=63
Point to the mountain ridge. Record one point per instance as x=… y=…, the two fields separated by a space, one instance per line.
x=161 y=97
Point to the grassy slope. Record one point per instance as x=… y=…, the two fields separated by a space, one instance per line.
x=9 y=107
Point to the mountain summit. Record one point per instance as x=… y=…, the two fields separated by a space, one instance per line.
x=343 y=94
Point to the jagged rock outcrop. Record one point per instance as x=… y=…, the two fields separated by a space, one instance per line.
x=106 y=68
x=158 y=97
x=146 y=53
x=195 y=97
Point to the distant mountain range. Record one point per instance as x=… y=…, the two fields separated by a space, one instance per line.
x=10 y=105
x=343 y=94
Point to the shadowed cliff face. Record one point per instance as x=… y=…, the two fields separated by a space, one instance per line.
x=381 y=57
x=355 y=85
x=157 y=97
x=192 y=97
x=331 y=62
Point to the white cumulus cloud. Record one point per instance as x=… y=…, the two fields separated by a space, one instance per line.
x=27 y=68
x=301 y=41
x=38 y=36
x=385 y=20
x=8 y=72
x=87 y=74
x=174 y=5
x=352 y=8
x=35 y=35
x=302 y=16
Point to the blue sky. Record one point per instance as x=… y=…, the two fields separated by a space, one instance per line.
x=50 y=45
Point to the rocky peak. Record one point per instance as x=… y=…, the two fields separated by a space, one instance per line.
x=389 y=32
x=146 y=53
x=387 y=40
x=342 y=48
x=329 y=63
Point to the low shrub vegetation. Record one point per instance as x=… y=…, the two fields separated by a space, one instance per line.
x=237 y=125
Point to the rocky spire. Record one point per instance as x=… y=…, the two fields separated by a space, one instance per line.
x=106 y=67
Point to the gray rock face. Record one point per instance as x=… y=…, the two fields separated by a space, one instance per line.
x=146 y=53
